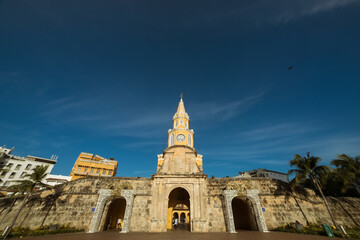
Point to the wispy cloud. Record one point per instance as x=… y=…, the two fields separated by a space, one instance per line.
x=275 y=131
x=295 y=8
x=141 y=144
x=275 y=145
x=227 y=110
x=273 y=12
x=88 y=113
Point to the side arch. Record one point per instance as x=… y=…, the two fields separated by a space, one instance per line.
x=105 y=196
x=253 y=196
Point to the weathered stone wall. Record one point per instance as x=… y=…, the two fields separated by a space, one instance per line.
x=68 y=204
x=140 y=219
x=72 y=204
x=215 y=206
x=283 y=206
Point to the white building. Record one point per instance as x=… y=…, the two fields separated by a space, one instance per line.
x=17 y=167
x=53 y=180
x=264 y=173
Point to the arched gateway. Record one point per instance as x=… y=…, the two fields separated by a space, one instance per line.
x=243 y=213
x=178 y=208
x=115 y=210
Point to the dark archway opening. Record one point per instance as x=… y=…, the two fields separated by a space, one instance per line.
x=179 y=208
x=115 y=214
x=243 y=213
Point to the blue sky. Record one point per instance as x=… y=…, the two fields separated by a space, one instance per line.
x=105 y=77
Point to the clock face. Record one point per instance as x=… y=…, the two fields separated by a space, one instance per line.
x=180 y=137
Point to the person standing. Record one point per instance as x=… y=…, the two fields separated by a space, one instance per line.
x=175 y=223
x=119 y=223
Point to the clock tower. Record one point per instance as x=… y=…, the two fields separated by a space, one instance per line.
x=180 y=157
x=181 y=134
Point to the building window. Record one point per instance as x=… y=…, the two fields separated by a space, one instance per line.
x=3 y=173
x=189 y=140
x=17 y=167
x=91 y=170
x=110 y=172
x=175 y=124
x=28 y=167
x=23 y=175
x=9 y=166
x=104 y=171
x=12 y=175
x=98 y=171
x=171 y=140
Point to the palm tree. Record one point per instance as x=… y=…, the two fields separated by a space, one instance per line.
x=308 y=168
x=349 y=171
x=29 y=186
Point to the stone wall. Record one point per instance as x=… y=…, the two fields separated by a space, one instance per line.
x=283 y=206
x=140 y=220
x=73 y=202
x=70 y=204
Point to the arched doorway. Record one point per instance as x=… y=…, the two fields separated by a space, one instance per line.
x=179 y=208
x=116 y=211
x=243 y=213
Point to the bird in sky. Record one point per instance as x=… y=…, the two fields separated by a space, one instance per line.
x=290 y=67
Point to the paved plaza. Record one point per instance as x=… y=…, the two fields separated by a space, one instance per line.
x=180 y=235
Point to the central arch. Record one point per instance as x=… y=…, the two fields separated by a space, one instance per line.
x=243 y=214
x=179 y=208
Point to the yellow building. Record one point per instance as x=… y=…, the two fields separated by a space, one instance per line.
x=89 y=164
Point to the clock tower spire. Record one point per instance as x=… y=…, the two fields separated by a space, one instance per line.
x=180 y=156
x=180 y=134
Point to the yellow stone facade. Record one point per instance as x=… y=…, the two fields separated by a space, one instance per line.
x=88 y=164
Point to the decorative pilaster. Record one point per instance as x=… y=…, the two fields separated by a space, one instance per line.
x=229 y=217
x=129 y=197
x=253 y=195
x=104 y=194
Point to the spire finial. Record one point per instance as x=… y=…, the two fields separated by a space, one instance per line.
x=181 y=97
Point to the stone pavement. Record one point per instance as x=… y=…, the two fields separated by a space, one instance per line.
x=180 y=235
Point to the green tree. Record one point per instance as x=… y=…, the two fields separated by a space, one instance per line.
x=29 y=187
x=348 y=169
x=307 y=167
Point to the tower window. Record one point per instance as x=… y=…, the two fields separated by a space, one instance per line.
x=171 y=141
x=189 y=140
x=175 y=124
